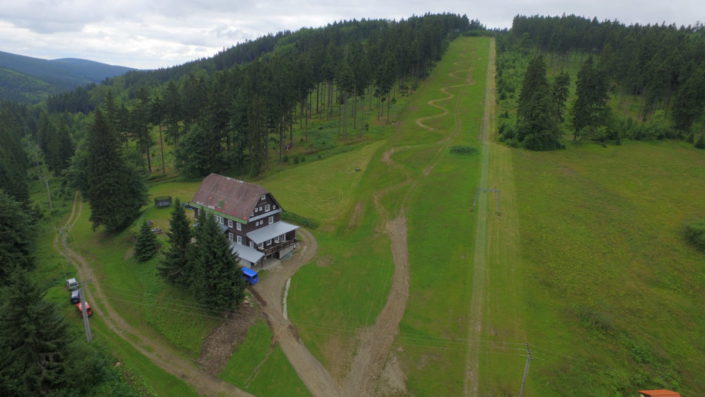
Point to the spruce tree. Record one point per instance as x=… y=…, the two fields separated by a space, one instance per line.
x=537 y=117
x=115 y=190
x=16 y=237
x=175 y=267
x=700 y=143
x=217 y=282
x=34 y=344
x=147 y=245
x=559 y=92
x=590 y=108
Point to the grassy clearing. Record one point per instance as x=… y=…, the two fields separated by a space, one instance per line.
x=612 y=288
x=441 y=230
x=260 y=367
x=319 y=190
x=354 y=257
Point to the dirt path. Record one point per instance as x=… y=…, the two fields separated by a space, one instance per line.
x=159 y=353
x=480 y=274
x=270 y=293
x=376 y=341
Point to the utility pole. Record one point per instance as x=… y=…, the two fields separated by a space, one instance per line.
x=86 y=324
x=526 y=370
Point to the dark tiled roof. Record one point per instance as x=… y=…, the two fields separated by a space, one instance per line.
x=229 y=196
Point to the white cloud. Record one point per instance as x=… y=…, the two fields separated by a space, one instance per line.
x=158 y=33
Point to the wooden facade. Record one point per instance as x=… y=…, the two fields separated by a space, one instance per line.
x=249 y=215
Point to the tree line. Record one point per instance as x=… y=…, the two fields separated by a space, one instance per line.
x=662 y=64
x=228 y=112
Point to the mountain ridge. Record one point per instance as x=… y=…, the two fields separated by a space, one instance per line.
x=29 y=80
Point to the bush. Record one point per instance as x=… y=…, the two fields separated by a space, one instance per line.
x=463 y=150
x=695 y=233
x=700 y=144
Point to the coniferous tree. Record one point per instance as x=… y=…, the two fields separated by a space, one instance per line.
x=199 y=152
x=559 y=92
x=700 y=143
x=147 y=245
x=13 y=161
x=590 y=109
x=217 y=280
x=689 y=101
x=115 y=190
x=16 y=237
x=537 y=119
x=175 y=268
x=534 y=81
x=59 y=149
x=34 y=344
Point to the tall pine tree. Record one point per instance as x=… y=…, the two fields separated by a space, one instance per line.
x=116 y=191
x=34 y=344
x=147 y=245
x=590 y=109
x=537 y=117
x=217 y=280
x=175 y=268
x=16 y=237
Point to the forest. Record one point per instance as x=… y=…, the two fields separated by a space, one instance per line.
x=662 y=67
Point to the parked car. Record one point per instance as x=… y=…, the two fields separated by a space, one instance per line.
x=72 y=284
x=88 y=309
x=75 y=296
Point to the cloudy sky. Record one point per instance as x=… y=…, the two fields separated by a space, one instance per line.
x=160 y=33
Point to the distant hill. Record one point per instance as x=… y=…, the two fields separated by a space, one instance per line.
x=29 y=80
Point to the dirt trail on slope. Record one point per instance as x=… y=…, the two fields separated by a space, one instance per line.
x=159 y=353
x=269 y=291
x=376 y=341
x=479 y=273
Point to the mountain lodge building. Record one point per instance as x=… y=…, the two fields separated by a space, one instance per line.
x=250 y=216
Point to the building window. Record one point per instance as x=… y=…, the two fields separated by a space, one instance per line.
x=269 y=242
x=230 y=236
x=260 y=245
x=252 y=245
x=239 y=226
x=239 y=239
x=283 y=238
x=264 y=197
x=276 y=239
x=266 y=207
x=230 y=223
x=271 y=220
x=274 y=206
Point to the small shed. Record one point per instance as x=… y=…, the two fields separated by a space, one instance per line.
x=162 y=201
x=658 y=393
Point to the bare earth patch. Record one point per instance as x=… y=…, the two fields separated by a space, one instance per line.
x=220 y=344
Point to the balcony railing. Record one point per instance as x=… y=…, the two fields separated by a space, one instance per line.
x=277 y=247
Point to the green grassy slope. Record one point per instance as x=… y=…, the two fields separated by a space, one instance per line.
x=354 y=255
x=260 y=367
x=613 y=293
x=441 y=235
